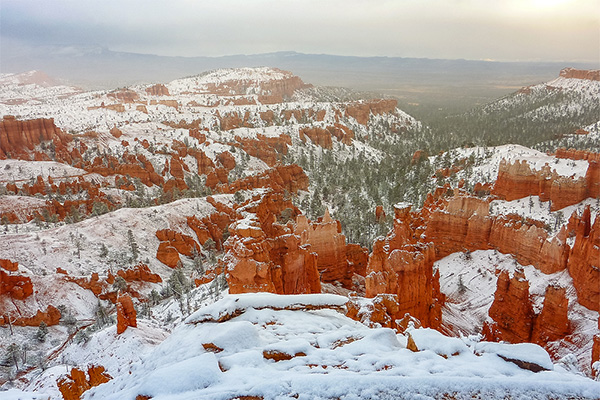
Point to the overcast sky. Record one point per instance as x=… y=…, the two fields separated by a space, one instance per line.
x=508 y=30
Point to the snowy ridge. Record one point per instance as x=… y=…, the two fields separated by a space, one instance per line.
x=238 y=304
x=328 y=356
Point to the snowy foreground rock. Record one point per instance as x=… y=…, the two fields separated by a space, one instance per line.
x=301 y=347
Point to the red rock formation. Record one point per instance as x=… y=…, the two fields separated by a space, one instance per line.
x=361 y=111
x=226 y=160
x=511 y=311
x=283 y=177
x=72 y=386
x=584 y=260
x=19 y=138
x=402 y=266
x=281 y=265
x=592 y=75
x=418 y=156
x=325 y=239
x=383 y=310
x=15 y=286
x=379 y=214
x=516 y=181
x=92 y=283
x=573 y=154
x=267 y=148
x=358 y=258
x=464 y=224
x=263 y=255
x=126 y=314
x=136 y=166
x=214 y=225
x=172 y=244
x=140 y=273
x=270 y=91
x=205 y=164
x=553 y=322
x=158 y=90
x=124 y=95
x=8 y=265
x=50 y=317
x=596 y=352
x=319 y=136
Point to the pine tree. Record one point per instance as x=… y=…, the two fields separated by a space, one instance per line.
x=42 y=332
x=132 y=244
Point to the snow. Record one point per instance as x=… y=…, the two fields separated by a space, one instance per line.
x=469 y=283
x=525 y=352
x=233 y=305
x=487 y=161
x=339 y=358
x=430 y=339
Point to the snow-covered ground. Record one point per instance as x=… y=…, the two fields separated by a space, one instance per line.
x=469 y=283
x=330 y=356
x=487 y=161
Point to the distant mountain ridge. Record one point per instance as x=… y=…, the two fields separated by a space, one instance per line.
x=98 y=67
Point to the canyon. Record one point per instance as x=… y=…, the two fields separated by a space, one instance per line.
x=125 y=212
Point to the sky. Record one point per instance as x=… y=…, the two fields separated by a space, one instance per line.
x=504 y=30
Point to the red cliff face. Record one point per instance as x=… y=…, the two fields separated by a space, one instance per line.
x=584 y=260
x=269 y=149
x=283 y=177
x=172 y=244
x=319 y=136
x=139 y=273
x=73 y=385
x=400 y=265
x=514 y=319
x=126 y=314
x=361 y=111
x=270 y=91
x=158 y=90
x=596 y=352
x=8 y=265
x=15 y=286
x=265 y=256
x=19 y=138
x=325 y=238
x=464 y=224
x=553 y=322
x=516 y=181
x=511 y=310
x=50 y=317
x=592 y=75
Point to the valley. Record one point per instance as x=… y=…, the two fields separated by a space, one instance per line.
x=243 y=233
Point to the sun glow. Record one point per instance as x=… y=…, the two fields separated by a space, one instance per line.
x=548 y=4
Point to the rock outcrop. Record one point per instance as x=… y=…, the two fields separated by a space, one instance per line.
x=50 y=317
x=553 y=321
x=172 y=244
x=517 y=180
x=326 y=239
x=514 y=320
x=584 y=259
x=593 y=75
x=126 y=314
x=361 y=111
x=158 y=90
x=18 y=139
x=73 y=385
x=400 y=265
x=511 y=311
x=263 y=255
x=15 y=286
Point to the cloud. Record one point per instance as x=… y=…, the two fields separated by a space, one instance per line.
x=499 y=29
